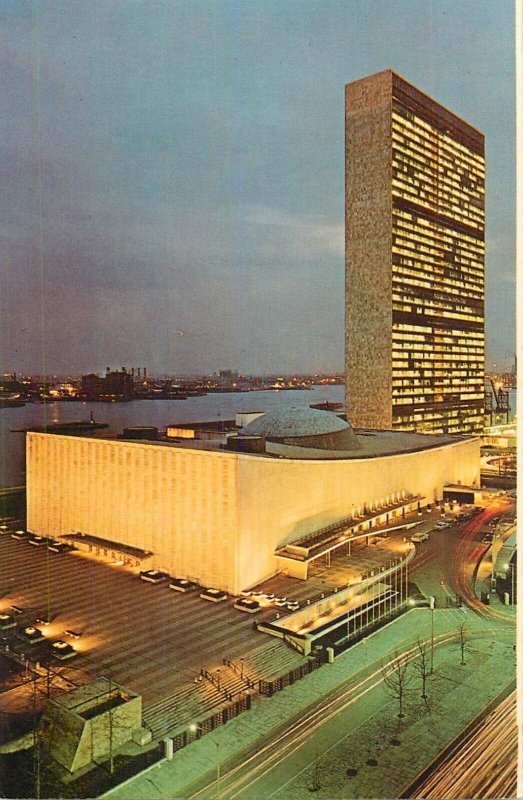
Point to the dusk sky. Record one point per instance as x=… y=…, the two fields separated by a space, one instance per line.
x=178 y=166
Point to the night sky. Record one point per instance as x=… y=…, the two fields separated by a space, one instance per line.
x=178 y=167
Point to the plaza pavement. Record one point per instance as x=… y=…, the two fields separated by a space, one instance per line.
x=459 y=694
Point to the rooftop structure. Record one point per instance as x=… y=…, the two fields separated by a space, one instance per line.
x=304 y=427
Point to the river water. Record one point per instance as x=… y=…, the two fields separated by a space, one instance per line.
x=159 y=413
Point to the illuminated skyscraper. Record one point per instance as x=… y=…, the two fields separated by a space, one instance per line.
x=415 y=261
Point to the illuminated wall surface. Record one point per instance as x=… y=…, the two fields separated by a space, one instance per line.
x=213 y=516
x=415 y=222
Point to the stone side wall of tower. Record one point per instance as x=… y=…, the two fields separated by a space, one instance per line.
x=368 y=217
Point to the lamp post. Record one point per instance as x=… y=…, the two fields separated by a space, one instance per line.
x=198 y=728
x=432 y=604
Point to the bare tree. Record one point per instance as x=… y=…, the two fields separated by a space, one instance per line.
x=463 y=642
x=396 y=677
x=422 y=666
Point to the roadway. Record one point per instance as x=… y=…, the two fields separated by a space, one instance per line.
x=482 y=765
x=281 y=767
x=444 y=567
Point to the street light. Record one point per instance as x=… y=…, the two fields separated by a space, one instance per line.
x=194 y=728
x=432 y=604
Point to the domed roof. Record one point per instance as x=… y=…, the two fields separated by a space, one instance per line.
x=299 y=422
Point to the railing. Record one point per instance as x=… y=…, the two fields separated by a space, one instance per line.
x=221 y=717
x=216 y=683
x=239 y=670
x=268 y=688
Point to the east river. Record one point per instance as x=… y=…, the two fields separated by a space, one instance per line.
x=158 y=413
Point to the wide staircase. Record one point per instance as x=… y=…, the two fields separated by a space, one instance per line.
x=216 y=689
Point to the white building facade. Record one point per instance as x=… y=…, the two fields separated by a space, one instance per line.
x=216 y=516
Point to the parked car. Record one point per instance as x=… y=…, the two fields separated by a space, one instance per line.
x=37 y=541
x=419 y=537
x=249 y=606
x=293 y=605
x=6 y=621
x=214 y=595
x=72 y=634
x=62 y=650
x=20 y=535
x=181 y=585
x=442 y=523
x=59 y=547
x=30 y=634
x=281 y=602
x=153 y=576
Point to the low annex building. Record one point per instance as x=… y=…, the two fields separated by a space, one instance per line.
x=90 y=723
x=219 y=514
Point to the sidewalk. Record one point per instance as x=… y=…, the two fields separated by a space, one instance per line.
x=401 y=749
x=198 y=760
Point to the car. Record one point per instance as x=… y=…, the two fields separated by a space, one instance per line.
x=19 y=535
x=31 y=635
x=153 y=576
x=6 y=621
x=214 y=595
x=293 y=605
x=181 y=585
x=259 y=595
x=419 y=537
x=281 y=602
x=246 y=593
x=270 y=596
x=62 y=650
x=488 y=538
x=247 y=605
x=494 y=521
x=58 y=547
x=37 y=541
x=443 y=523
x=72 y=634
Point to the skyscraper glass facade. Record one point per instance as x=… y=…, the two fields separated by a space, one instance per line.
x=435 y=163
x=438 y=250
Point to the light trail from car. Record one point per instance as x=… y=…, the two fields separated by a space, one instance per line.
x=272 y=754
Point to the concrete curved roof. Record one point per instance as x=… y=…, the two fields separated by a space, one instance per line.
x=304 y=427
x=295 y=421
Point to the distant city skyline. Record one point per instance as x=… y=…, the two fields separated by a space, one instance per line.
x=174 y=174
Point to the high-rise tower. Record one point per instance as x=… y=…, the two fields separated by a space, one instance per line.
x=415 y=261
